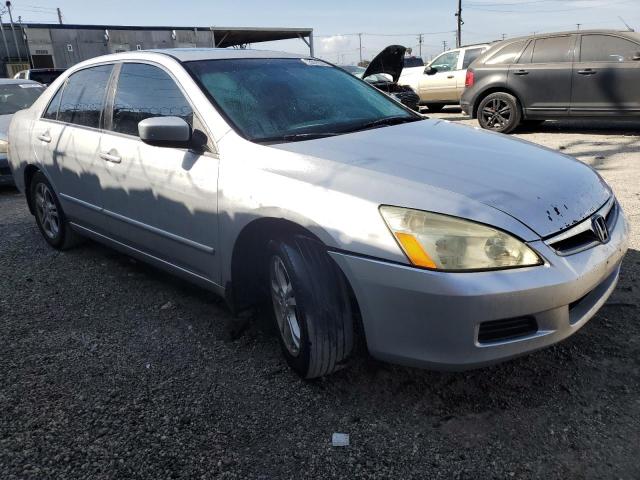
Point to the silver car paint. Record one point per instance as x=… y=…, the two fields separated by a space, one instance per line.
x=184 y=212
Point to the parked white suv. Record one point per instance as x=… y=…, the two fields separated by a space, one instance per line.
x=441 y=82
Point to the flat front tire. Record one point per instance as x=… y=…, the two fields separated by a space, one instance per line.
x=311 y=306
x=50 y=217
x=499 y=112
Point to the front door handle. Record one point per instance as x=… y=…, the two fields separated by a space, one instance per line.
x=521 y=72
x=110 y=157
x=587 y=71
x=44 y=137
x=450 y=76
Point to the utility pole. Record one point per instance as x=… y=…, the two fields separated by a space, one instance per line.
x=59 y=15
x=420 y=45
x=15 y=39
x=444 y=45
x=360 y=37
x=4 y=37
x=578 y=25
x=460 y=23
x=504 y=35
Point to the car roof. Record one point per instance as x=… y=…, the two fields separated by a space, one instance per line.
x=16 y=81
x=194 y=54
x=573 y=32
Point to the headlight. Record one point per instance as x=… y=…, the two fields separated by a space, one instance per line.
x=441 y=242
x=3 y=146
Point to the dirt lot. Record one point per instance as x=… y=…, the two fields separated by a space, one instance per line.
x=110 y=369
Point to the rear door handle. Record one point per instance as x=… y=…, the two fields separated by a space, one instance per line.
x=110 y=157
x=521 y=72
x=587 y=71
x=44 y=137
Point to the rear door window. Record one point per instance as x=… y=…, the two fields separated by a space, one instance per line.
x=506 y=55
x=470 y=55
x=606 y=48
x=553 y=50
x=146 y=91
x=84 y=95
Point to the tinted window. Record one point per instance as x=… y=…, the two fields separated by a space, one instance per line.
x=506 y=55
x=552 y=50
x=17 y=97
x=270 y=100
x=146 y=91
x=528 y=52
x=52 y=109
x=83 y=96
x=413 y=62
x=446 y=62
x=605 y=48
x=469 y=56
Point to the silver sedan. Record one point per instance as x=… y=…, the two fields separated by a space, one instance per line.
x=276 y=178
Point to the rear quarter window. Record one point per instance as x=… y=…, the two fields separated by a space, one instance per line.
x=507 y=54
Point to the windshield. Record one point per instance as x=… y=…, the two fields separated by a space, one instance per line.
x=16 y=97
x=354 y=70
x=271 y=100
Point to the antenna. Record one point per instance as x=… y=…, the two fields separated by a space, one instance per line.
x=626 y=24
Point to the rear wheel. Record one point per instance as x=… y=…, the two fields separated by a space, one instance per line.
x=499 y=112
x=310 y=305
x=435 y=107
x=50 y=217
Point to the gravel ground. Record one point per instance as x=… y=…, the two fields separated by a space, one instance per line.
x=110 y=369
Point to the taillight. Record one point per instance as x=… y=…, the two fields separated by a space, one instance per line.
x=469 y=79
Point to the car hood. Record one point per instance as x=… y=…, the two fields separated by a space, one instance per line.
x=390 y=61
x=545 y=190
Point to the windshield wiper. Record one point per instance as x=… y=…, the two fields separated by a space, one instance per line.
x=297 y=137
x=385 y=122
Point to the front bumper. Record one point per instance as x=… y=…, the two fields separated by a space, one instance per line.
x=6 y=177
x=432 y=319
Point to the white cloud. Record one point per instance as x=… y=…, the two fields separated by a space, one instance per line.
x=334 y=44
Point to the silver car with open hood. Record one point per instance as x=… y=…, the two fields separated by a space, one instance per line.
x=276 y=178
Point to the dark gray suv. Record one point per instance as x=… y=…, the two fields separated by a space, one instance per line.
x=572 y=74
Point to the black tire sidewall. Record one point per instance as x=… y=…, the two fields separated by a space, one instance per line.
x=58 y=241
x=292 y=261
x=514 y=121
x=435 y=107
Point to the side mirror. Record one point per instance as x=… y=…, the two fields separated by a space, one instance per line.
x=636 y=56
x=430 y=71
x=165 y=132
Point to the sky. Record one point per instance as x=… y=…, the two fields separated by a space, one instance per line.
x=336 y=23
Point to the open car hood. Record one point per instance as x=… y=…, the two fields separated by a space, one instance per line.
x=389 y=61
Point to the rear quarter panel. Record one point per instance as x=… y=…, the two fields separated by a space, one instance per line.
x=20 y=152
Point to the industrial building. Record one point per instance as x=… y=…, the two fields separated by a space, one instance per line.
x=39 y=45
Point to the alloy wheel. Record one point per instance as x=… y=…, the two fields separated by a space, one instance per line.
x=47 y=211
x=497 y=114
x=285 y=306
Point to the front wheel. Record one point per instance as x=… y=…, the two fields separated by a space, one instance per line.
x=311 y=306
x=499 y=112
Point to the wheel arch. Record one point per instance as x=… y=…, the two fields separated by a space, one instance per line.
x=497 y=89
x=29 y=171
x=245 y=288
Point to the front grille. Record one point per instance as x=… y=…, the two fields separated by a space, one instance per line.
x=5 y=171
x=582 y=236
x=509 y=329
